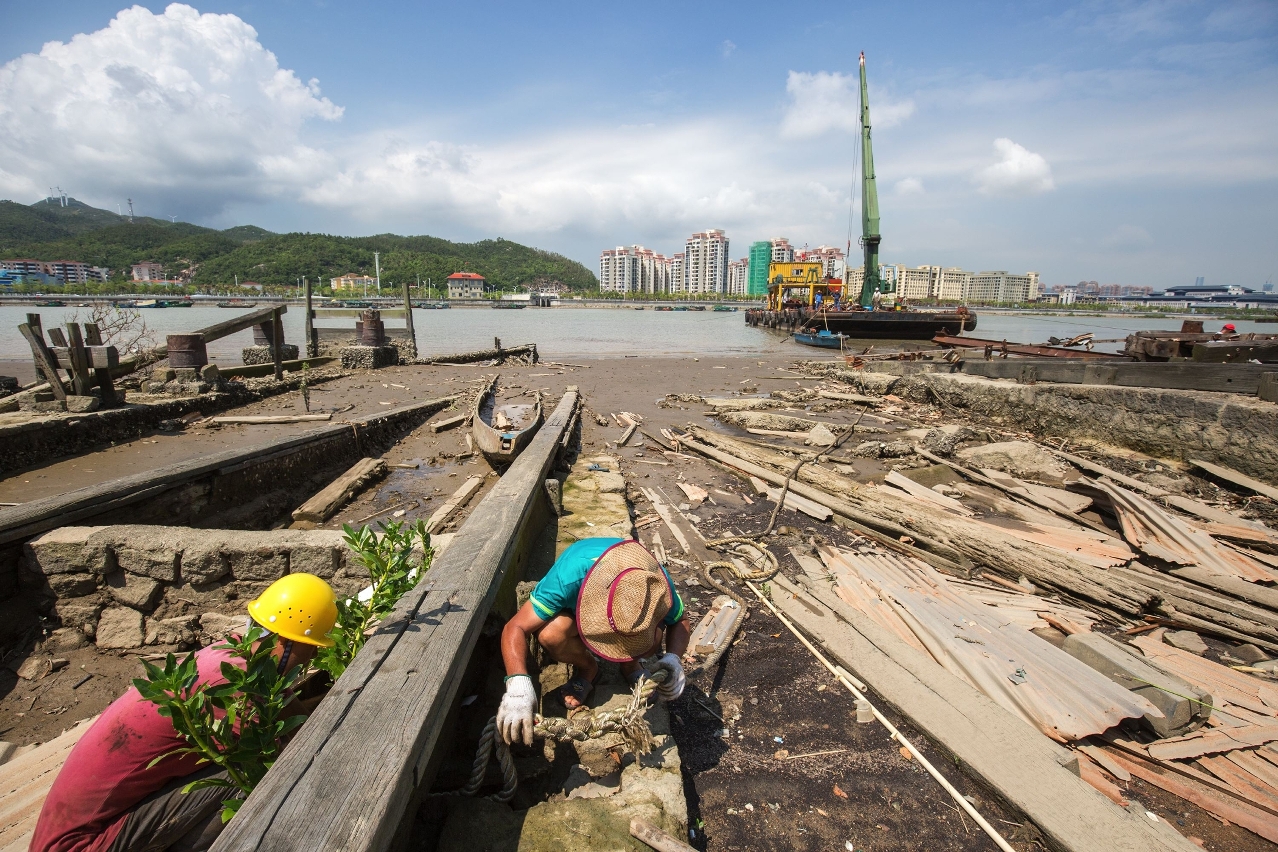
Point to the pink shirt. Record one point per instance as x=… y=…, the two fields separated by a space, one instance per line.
x=106 y=773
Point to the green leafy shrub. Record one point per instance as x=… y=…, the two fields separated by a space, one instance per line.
x=238 y=725
x=392 y=571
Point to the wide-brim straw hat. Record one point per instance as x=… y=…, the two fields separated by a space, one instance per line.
x=621 y=603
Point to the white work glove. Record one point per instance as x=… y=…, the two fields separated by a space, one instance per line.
x=515 y=715
x=675 y=681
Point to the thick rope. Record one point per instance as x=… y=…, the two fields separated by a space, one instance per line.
x=628 y=721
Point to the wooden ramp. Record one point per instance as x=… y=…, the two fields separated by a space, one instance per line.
x=25 y=781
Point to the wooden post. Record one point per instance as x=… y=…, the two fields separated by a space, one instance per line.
x=79 y=360
x=277 y=343
x=408 y=317
x=312 y=340
x=46 y=364
x=93 y=337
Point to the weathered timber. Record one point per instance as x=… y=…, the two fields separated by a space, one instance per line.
x=1267 y=389
x=1033 y=775
x=253 y=371
x=18 y=523
x=335 y=495
x=99 y=357
x=47 y=364
x=79 y=360
x=308 y=322
x=654 y=837
x=441 y=516
x=277 y=343
x=1251 y=592
x=885 y=532
x=408 y=318
x=228 y=327
x=529 y=349
x=448 y=423
x=341 y=786
x=270 y=419
x=1233 y=476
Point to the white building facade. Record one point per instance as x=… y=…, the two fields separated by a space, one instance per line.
x=738 y=276
x=705 y=263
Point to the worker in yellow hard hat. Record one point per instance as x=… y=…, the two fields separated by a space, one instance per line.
x=120 y=789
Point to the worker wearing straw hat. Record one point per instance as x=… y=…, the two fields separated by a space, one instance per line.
x=604 y=599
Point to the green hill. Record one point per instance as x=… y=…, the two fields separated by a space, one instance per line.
x=48 y=231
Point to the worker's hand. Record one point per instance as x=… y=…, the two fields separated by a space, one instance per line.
x=515 y=715
x=673 y=686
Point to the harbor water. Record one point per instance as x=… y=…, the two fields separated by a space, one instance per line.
x=604 y=332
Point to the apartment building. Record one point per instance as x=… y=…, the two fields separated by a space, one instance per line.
x=739 y=276
x=351 y=282
x=831 y=259
x=148 y=271
x=635 y=269
x=677 y=282
x=1001 y=286
x=782 y=251
x=465 y=285
x=75 y=272
x=760 y=257
x=854 y=280
x=705 y=262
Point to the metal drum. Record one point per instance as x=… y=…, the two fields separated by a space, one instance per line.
x=187 y=350
x=371 y=329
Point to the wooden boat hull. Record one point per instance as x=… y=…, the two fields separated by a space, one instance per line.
x=821 y=339
x=500 y=446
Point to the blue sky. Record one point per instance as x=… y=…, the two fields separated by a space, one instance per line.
x=1132 y=143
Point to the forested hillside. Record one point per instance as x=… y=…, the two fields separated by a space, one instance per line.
x=214 y=259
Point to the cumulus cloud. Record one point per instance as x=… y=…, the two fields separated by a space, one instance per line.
x=727 y=48
x=827 y=101
x=177 y=108
x=909 y=186
x=1017 y=172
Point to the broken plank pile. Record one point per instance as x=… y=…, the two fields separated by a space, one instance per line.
x=25 y=781
x=1049 y=689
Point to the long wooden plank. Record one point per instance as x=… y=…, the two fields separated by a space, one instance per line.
x=250 y=371
x=348 y=778
x=266 y=419
x=333 y=496
x=1210 y=800
x=47 y=364
x=1221 y=472
x=1027 y=770
x=222 y=329
x=460 y=497
x=38 y=516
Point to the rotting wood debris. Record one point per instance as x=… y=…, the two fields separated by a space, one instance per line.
x=1085 y=548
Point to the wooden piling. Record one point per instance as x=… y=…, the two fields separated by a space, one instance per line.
x=312 y=339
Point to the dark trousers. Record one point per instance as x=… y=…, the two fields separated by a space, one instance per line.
x=169 y=820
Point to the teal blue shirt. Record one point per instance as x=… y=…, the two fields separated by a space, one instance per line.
x=557 y=592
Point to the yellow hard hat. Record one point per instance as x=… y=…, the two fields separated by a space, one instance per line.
x=301 y=607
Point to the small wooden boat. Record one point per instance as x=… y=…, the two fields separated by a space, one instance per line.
x=724 y=308
x=509 y=306
x=502 y=431
x=236 y=303
x=822 y=338
x=663 y=308
x=50 y=303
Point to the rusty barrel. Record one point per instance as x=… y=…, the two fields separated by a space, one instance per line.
x=371 y=329
x=187 y=350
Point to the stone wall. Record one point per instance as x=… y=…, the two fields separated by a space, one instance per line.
x=133 y=585
x=1237 y=431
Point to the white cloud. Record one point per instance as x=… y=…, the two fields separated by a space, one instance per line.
x=1128 y=238
x=727 y=48
x=909 y=186
x=177 y=106
x=1017 y=172
x=827 y=101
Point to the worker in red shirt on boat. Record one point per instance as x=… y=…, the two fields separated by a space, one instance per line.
x=604 y=598
x=109 y=797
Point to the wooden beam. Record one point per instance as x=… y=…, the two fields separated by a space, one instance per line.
x=308 y=325
x=448 y=423
x=335 y=495
x=79 y=360
x=98 y=357
x=351 y=774
x=45 y=362
x=1241 y=479
x=1032 y=774
x=249 y=371
x=277 y=343
x=223 y=329
x=460 y=497
x=408 y=317
x=270 y=419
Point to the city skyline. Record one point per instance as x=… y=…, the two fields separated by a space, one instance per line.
x=1129 y=142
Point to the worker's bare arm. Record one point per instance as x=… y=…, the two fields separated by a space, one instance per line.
x=677 y=638
x=514 y=639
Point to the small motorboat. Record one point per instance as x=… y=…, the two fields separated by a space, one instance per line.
x=236 y=303
x=724 y=308
x=822 y=338
x=502 y=431
x=663 y=308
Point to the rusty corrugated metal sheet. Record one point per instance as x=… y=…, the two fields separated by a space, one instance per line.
x=1165 y=536
x=1029 y=676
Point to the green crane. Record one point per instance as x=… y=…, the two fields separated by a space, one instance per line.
x=871 y=283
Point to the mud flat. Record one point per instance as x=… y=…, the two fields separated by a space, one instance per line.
x=765 y=745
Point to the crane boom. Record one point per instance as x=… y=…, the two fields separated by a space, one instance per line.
x=871 y=282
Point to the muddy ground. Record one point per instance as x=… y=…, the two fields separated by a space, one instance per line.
x=743 y=791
